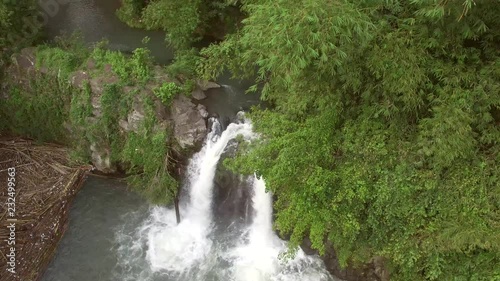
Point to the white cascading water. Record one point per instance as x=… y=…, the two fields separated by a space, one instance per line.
x=179 y=247
x=257 y=258
x=161 y=249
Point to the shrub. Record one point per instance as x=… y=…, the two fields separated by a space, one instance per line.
x=167 y=91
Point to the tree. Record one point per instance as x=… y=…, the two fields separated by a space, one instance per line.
x=382 y=136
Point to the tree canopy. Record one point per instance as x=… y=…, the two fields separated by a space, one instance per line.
x=383 y=132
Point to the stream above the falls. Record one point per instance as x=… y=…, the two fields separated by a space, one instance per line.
x=96 y=20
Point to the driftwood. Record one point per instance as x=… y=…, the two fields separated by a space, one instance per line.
x=46 y=184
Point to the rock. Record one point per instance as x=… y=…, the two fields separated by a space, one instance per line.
x=26 y=58
x=96 y=106
x=198 y=94
x=189 y=125
x=78 y=78
x=380 y=268
x=91 y=64
x=133 y=122
x=101 y=159
x=184 y=118
x=202 y=110
x=206 y=85
x=23 y=65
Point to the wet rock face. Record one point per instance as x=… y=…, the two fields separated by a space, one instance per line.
x=189 y=124
x=101 y=159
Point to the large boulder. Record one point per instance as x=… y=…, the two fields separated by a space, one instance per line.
x=189 y=125
x=101 y=159
x=198 y=94
x=207 y=85
x=187 y=119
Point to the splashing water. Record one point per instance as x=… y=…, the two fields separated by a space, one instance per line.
x=180 y=247
x=161 y=249
x=257 y=258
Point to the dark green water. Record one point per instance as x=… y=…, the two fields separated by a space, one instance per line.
x=97 y=21
x=88 y=249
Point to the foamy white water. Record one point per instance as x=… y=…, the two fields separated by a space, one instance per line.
x=257 y=258
x=178 y=248
x=161 y=249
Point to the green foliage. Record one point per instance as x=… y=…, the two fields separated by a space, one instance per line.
x=136 y=68
x=140 y=64
x=18 y=27
x=178 y=18
x=36 y=110
x=117 y=60
x=382 y=137
x=130 y=12
x=46 y=106
x=61 y=61
x=185 y=22
x=167 y=91
x=185 y=63
x=66 y=56
x=80 y=113
x=148 y=155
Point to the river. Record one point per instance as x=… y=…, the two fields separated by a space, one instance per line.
x=226 y=230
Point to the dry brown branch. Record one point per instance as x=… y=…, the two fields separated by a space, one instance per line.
x=46 y=183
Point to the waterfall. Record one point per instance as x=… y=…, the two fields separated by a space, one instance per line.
x=199 y=248
x=257 y=257
x=180 y=247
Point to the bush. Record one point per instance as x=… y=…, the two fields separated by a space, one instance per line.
x=167 y=91
x=137 y=67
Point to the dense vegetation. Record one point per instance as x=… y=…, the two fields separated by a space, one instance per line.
x=383 y=134
x=18 y=27
x=45 y=105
